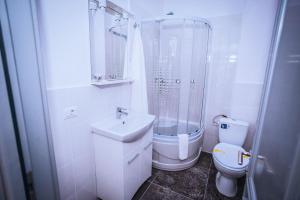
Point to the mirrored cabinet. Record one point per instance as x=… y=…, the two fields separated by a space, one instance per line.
x=109 y=43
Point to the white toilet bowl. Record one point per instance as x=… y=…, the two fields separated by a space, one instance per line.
x=225 y=157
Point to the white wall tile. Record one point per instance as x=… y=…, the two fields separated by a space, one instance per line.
x=66 y=181
x=61 y=138
x=225 y=43
x=84 y=173
x=85 y=194
x=72 y=197
x=146 y=9
x=64 y=29
x=204 y=8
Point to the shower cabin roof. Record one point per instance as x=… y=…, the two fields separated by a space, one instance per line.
x=163 y=18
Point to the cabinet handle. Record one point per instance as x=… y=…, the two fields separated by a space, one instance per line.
x=148 y=145
x=130 y=161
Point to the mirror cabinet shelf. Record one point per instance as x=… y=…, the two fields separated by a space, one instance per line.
x=107 y=83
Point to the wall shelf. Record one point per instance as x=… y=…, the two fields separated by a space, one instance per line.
x=108 y=83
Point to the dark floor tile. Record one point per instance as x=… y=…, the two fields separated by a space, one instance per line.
x=212 y=166
x=141 y=190
x=154 y=171
x=205 y=160
x=241 y=185
x=212 y=192
x=212 y=176
x=156 y=192
x=154 y=174
x=190 y=182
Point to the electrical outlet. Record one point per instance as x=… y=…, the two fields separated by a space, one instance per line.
x=70 y=112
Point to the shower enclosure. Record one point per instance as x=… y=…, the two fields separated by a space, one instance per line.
x=176 y=52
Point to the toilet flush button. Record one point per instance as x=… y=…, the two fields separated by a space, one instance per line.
x=224 y=126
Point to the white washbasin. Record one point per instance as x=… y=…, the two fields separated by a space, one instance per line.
x=127 y=129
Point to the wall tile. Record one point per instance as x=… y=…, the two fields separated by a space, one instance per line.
x=85 y=194
x=84 y=173
x=66 y=181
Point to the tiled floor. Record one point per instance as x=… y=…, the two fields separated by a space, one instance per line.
x=197 y=182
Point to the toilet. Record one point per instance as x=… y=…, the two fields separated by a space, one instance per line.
x=232 y=135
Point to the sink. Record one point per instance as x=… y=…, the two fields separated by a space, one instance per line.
x=127 y=129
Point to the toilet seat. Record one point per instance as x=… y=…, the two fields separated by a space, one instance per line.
x=227 y=156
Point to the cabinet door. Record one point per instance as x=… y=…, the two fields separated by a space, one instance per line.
x=132 y=174
x=146 y=161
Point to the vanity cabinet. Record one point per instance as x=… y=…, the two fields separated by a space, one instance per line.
x=146 y=158
x=121 y=167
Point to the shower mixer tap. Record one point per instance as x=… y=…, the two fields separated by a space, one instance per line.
x=178 y=81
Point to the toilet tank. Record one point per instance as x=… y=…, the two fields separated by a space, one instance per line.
x=233 y=131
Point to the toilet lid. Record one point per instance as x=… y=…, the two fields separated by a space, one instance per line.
x=227 y=154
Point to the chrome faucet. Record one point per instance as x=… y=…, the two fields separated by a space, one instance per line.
x=121 y=111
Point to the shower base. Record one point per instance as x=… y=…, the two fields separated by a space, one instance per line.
x=165 y=147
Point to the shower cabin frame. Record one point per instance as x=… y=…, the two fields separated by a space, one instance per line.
x=208 y=56
x=168 y=145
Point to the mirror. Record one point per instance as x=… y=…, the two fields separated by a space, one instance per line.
x=108 y=41
x=116 y=40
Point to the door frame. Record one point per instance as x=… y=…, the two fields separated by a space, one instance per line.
x=278 y=25
x=12 y=169
x=19 y=26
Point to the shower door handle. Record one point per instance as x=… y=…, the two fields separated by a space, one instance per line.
x=241 y=155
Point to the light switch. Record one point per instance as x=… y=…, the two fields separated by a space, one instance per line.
x=70 y=112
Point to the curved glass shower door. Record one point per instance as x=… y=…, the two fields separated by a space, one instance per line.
x=169 y=82
x=176 y=56
x=198 y=75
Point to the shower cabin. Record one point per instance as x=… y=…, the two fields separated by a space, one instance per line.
x=176 y=59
